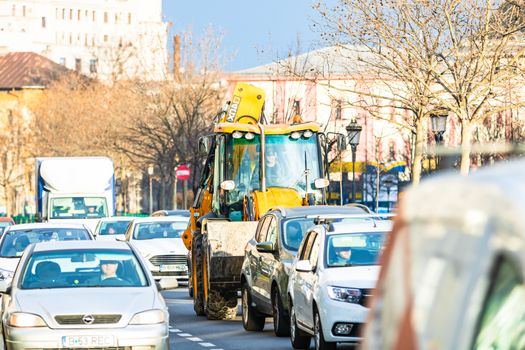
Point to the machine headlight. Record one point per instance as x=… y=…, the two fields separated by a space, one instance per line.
x=237 y=134
x=307 y=134
x=25 y=320
x=149 y=317
x=6 y=275
x=249 y=136
x=349 y=295
x=295 y=135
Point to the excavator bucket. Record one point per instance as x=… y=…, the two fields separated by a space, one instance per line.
x=246 y=105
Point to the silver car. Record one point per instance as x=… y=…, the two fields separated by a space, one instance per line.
x=84 y=294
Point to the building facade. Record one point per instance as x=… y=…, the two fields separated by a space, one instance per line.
x=110 y=39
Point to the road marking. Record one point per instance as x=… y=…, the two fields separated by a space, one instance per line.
x=207 y=345
x=184 y=334
x=194 y=339
x=175 y=330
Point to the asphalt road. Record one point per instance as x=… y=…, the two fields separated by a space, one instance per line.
x=191 y=332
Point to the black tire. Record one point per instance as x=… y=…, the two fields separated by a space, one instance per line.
x=221 y=305
x=198 y=295
x=190 y=290
x=320 y=343
x=299 y=339
x=281 y=319
x=251 y=319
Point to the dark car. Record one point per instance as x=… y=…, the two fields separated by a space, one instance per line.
x=268 y=257
x=176 y=212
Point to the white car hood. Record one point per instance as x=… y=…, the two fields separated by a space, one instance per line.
x=159 y=246
x=9 y=264
x=95 y=300
x=89 y=223
x=114 y=237
x=351 y=276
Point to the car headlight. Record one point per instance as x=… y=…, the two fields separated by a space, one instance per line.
x=25 y=320
x=149 y=317
x=6 y=275
x=349 y=295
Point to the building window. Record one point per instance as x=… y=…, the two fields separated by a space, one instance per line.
x=78 y=14
x=116 y=18
x=63 y=13
x=296 y=108
x=13 y=10
x=56 y=13
x=129 y=18
x=86 y=14
x=70 y=38
x=85 y=39
x=93 y=40
x=43 y=22
x=78 y=65
x=24 y=10
x=105 y=38
x=105 y=17
x=92 y=66
x=62 y=61
x=93 y=16
x=71 y=14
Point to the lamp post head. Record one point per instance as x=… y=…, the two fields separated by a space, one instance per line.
x=150 y=169
x=354 y=132
x=439 y=125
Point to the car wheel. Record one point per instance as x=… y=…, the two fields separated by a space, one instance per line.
x=299 y=339
x=251 y=319
x=281 y=320
x=320 y=343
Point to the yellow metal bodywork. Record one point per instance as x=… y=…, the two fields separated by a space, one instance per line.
x=246 y=105
x=284 y=197
x=202 y=210
x=270 y=129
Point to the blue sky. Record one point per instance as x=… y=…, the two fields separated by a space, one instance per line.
x=249 y=27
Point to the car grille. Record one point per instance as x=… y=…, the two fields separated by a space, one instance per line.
x=158 y=260
x=77 y=319
x=367 y=297
x=170 y=273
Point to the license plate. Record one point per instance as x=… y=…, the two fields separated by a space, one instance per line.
x=164 y=268
x=87 y=341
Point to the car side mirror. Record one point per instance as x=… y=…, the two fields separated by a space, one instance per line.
x=204 y=145
x=265 y=247
x=303 y=266
x=167 y=283
x=5 y=288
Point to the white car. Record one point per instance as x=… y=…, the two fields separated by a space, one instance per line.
x=16 y=238
x=112 y=228
x=159 y=240
x=332 y=278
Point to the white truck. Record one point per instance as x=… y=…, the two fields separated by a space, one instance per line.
x=80 y=189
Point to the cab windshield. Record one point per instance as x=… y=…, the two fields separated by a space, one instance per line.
x=78 y=207
x=290 y=163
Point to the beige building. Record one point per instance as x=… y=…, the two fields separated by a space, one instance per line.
x=111 y=39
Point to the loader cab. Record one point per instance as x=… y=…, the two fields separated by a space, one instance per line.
x=292 y=166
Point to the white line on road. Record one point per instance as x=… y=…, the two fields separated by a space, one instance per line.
x=207 y=345
x=194 y=339
x=175 y=330
x=184 y=334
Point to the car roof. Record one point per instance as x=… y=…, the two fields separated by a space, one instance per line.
x=360 y=226
x=160 y=219
x=118 y=218
x=36 y=225
x=62 y=245
x=318 y=210
x=174 y=212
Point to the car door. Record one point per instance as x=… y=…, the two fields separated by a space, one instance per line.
x=299 y=292
x=255 y=257
x=310 y=280
x=267 y=261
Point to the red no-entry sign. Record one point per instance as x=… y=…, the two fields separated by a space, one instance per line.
x=182 y=172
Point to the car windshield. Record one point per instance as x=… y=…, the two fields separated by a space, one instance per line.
x=293 y=232
x=15 y=241
x=82 y=268
x=78 y=207
x=164 y=229
x=354 y=249
x=113 y=227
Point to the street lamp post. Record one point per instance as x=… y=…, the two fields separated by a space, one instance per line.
x=150 y=174
x=439 y=126
x=354 y=132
